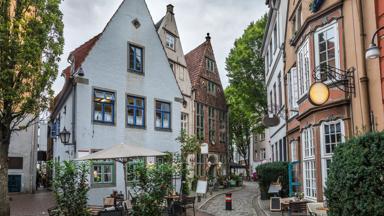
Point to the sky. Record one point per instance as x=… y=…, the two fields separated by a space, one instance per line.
x=225 y=20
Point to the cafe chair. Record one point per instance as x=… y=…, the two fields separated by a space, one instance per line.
x=297 y=209
x=187 y=203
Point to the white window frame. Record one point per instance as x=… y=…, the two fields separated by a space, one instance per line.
x=304 y=69
x=293 y=93
x=170 y=41
x=294 y=156
x=309 y=164
x=326 y=156
x=332 y=25
x=185 y=122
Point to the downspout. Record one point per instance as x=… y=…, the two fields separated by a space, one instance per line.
x=74 y=119
x=364 y=94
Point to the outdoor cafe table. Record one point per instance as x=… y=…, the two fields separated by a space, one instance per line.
x=317 y=208
x=171 y=203
x=285 y=203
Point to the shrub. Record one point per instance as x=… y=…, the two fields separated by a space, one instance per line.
x=355 y=184
x=269 y=173
x=70 y=187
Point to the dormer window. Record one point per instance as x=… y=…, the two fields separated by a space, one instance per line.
x=170 y=41
x=209 y=65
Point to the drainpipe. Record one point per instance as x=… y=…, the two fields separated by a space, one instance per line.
x=74 y=108
x=364 y=94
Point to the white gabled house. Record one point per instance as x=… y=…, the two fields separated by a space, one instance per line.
x=119 y=89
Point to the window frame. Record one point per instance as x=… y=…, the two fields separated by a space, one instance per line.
x=293 y=92
x=328 y=156
x=132 y=70
x=132 y=163
x=309 y=163
x=331 y=26
x=101 y=163
x=170 y=35
x=185 y=122
x=200 y=128
x=135 y=108
x=211 y=88
x=304 y=69
x=212 y=125
x=103 y=122
x=209 y=65
x=162 y=112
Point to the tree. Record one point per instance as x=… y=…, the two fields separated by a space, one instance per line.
x=246 y=94
x=31 y=41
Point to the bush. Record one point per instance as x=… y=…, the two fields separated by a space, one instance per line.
x=355 y=184
x=269 y=173
x=70 y=187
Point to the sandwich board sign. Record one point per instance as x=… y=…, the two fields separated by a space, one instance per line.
x=201 y=187
x=204 y=148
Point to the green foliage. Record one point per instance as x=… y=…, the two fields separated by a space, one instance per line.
x=355 y=184
x=155 y=182
x=246 y=94
x=271 y=172
x=70 y=187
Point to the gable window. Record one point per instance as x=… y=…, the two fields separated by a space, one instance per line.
x=200 y=121
x=103 y=172
x=209 y=65
x=309 y=163
x=104 y=106
x=135 y=111
x=136 y=59
x=170 y=41
x=332 y=134
x=211 y=87
x=184 y=122
x=327 y=50
x=163 y=115
x=303 y=66
x=212 y=124
x=292 y=92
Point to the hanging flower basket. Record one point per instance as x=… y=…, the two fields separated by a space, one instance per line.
x=315 y=5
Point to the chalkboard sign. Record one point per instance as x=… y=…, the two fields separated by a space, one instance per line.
x=275 y=204
x=201 y=187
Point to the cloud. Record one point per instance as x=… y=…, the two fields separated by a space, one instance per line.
x=225 y=20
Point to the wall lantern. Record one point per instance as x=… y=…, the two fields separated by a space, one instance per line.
x=326 y=76
x=373 y=51
x=64 y=136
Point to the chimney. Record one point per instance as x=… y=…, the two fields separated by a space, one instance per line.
x=170 y=8
x=208 y=38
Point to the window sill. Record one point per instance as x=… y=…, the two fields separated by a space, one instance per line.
x=101 y=185
x=163 y=129
x=170 y=48
x=111 y=124
x=141 y=73
x=136 y=127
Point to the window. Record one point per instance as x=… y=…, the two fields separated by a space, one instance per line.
x=267 y=62
x=270 y=53
x=294 y=153
x=212 y=125
x=172 y=66
x=292 y=92
x=58 y=124
x=280 y=91
x=170 y=41
x=135 y=111
x=184 y=122
x=181 y=74
x=15 y=163
x=104 y=106
x=103 y=172
x=131 y=167
x=327 y=50
x=303 y=65
x=332 y=134
x=273 y=155
x=296 y=20
x=200 y=121
x=275 y=106
x=135 y=58
x=262 y=154
x=275 y=37
x=262 y=136
x=209 y=65
x=200 y=165
x=163 y=115
x=211 y=87
x=223 y=125
x=309 y=163
x=270 y=101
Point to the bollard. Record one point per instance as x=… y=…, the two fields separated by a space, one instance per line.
x=228 y=201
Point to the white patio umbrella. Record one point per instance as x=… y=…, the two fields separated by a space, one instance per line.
x=121 y=153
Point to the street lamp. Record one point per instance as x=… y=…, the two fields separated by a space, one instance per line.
x=373 y=51
x=318 y=93
x=64 y=136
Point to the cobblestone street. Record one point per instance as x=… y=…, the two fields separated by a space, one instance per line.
x=32 y=204
x=243 y=202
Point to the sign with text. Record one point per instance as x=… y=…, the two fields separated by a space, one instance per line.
x=204 y=148
x=201 y=187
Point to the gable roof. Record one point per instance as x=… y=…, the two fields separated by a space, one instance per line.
x=195 y=62
x=158 y=24
x=80 y=53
